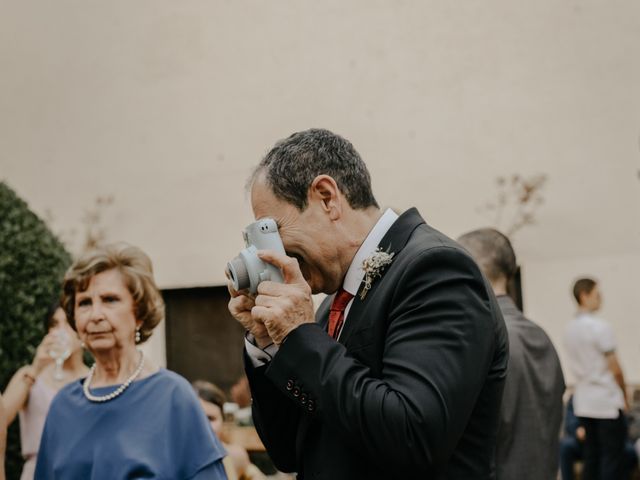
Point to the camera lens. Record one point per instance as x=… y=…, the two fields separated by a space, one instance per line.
x=239 y=274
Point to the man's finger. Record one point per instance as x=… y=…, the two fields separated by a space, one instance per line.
x=236 y=293
x=232 y=291
x=262 y=314
x=240 y=304
x=265 y=301
x=289 y=265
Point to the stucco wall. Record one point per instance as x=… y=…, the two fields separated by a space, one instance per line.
x=167 y=105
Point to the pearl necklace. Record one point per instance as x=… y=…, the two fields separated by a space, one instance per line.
x=118 y=391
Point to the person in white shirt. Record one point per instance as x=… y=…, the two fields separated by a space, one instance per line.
x=600 y=393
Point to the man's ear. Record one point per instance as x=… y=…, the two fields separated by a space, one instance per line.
x=324 y=189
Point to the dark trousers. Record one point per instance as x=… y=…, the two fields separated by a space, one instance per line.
x=604 y=448
x=572 y=451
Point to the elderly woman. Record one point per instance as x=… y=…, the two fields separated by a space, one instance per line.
x=127 y=418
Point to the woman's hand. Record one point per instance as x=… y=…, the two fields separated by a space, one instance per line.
x=3 y=438
x=17 y=393
x=42 y=357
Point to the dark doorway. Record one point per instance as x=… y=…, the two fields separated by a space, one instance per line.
x=203 y=340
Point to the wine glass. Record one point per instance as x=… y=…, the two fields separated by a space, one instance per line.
x=60 y=350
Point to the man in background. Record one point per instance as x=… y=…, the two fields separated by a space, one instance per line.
x=531 y=413
x=600 y=395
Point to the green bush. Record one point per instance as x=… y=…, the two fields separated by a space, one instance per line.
x=32 y=263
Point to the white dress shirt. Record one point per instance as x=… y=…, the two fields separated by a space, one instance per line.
x=351 y=283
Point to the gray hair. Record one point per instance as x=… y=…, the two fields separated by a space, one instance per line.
x=492 y=251
x=294 y=162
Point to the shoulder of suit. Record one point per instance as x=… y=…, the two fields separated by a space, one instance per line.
x=426 y=238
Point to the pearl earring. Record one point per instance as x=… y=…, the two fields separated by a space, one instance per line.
x=138 y=335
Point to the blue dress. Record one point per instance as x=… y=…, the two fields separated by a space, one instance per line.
x=155 y=429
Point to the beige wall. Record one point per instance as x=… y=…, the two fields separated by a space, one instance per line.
x=167 y=105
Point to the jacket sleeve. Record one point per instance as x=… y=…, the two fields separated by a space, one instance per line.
x=275 y=418
x=437 y=352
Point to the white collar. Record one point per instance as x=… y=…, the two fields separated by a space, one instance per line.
x=355 y=274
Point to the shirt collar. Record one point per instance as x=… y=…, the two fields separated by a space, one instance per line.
x=355 y=274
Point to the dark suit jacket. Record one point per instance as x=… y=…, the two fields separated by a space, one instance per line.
x=531 y=414
x=413 y=387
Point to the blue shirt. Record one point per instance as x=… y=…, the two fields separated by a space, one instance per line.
x=156 y=429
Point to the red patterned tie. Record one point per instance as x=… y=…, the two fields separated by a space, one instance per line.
x=336 y=313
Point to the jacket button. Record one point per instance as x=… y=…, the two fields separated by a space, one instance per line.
x=296 y=392
x=289 y=385
x=303 y=398
x=311 y=405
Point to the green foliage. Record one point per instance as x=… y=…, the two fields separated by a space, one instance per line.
x=32 y=264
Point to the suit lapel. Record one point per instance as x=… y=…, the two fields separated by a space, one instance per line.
x=393 y=241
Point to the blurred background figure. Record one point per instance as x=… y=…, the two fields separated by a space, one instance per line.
x=600 y=397
x=572 y=447
x=3 y=438
x=237 y=464
x=531 y=412
x=58 y=361
x=128 y=418
x=241 y=396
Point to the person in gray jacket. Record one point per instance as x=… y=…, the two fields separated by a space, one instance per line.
x=531 y=412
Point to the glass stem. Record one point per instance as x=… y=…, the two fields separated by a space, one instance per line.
x=58 y=374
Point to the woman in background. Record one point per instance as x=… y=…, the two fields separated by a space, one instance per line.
x=237 y=463
x=33 y=387
x=128 y=418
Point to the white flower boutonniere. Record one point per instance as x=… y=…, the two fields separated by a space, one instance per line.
x=373 y=266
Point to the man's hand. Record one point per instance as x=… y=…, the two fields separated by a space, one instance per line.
x=240 y=307
x=282 y=307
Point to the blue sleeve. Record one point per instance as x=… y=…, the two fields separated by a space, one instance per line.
x=43 y=467
x=215 y=471
x=193 y=441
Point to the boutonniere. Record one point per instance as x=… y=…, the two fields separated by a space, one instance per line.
x=373 y=266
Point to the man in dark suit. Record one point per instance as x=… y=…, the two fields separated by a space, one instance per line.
x=401 y=373
x=531 y=413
